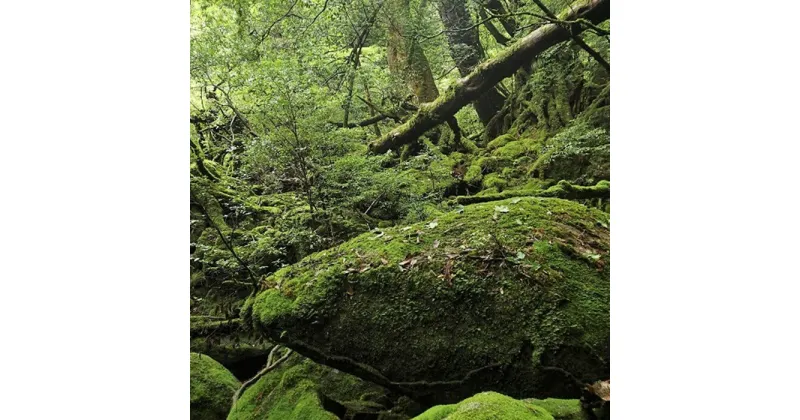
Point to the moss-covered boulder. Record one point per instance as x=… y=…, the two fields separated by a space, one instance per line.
x=580 y=153
x=301 y=389
x=480 y=298
x=562 y=409
x=212 y=387
x=487 y=406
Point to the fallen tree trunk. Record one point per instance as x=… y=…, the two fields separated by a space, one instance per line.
x=488 y=74
x=563 y=189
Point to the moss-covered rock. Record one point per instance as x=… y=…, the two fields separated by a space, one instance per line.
x=494 y=181
x=561 y=409
x=579 y=153
x=301 y=389
x=479 y=299
x=487 y=406
x=500 y=141
x=212 y=387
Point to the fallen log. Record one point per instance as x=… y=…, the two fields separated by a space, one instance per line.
x=563 y=189
x=487 y=74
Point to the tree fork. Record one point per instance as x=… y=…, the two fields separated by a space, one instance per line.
x=491 y=72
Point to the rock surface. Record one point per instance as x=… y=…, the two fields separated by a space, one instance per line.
x=479 y=299
x=212 y=387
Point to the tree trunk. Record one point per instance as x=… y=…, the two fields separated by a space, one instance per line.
x=497 y=9
x=405 y=55
x=467 y=52
x=487 y=75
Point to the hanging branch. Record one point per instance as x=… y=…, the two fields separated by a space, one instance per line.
x=596 y=55
x=227 y=244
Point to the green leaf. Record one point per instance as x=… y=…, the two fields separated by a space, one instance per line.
x=501 y=209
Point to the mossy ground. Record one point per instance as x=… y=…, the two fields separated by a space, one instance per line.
x=520 y=282
x=212 y=387
x=561 y=409
x=487 y=406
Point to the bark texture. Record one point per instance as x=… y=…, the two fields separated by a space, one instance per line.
x=405 y=55
x=467 y=52
x=486 y=75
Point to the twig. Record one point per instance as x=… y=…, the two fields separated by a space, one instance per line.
x=268 y=368
x=222 y=237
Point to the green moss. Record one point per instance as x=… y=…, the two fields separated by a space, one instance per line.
x=212 y=387
x=511 y=150
x=578 y=153
x=561 y=409
x=438 y=412
x=294 y=390
x=500 y=141
x=474 y=173
x=494 y=181
x=435 y=300
x=562 y=189
x=487 y=406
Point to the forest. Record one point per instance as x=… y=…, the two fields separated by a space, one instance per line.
x=400 y=209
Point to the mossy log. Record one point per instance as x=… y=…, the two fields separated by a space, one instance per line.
x=488 y=74
x=563 y=190
x=481 y=298
x=224 y=327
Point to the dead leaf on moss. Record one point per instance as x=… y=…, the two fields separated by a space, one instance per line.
x=602 y=389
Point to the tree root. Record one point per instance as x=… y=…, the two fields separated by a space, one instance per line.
x=563 y=189
x=270 y=366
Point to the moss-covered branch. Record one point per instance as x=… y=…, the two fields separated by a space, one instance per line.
x=491 y=72
x=215 y=327
x=596 y=55
x=369 y=121
x=563 y=190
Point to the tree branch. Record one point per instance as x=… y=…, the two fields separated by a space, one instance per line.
x=215 y=327
x=227 y=245
x=489 y=73
x=596 y=55
x=267 y=369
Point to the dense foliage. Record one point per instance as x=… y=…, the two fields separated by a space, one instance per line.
x=286 y=97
